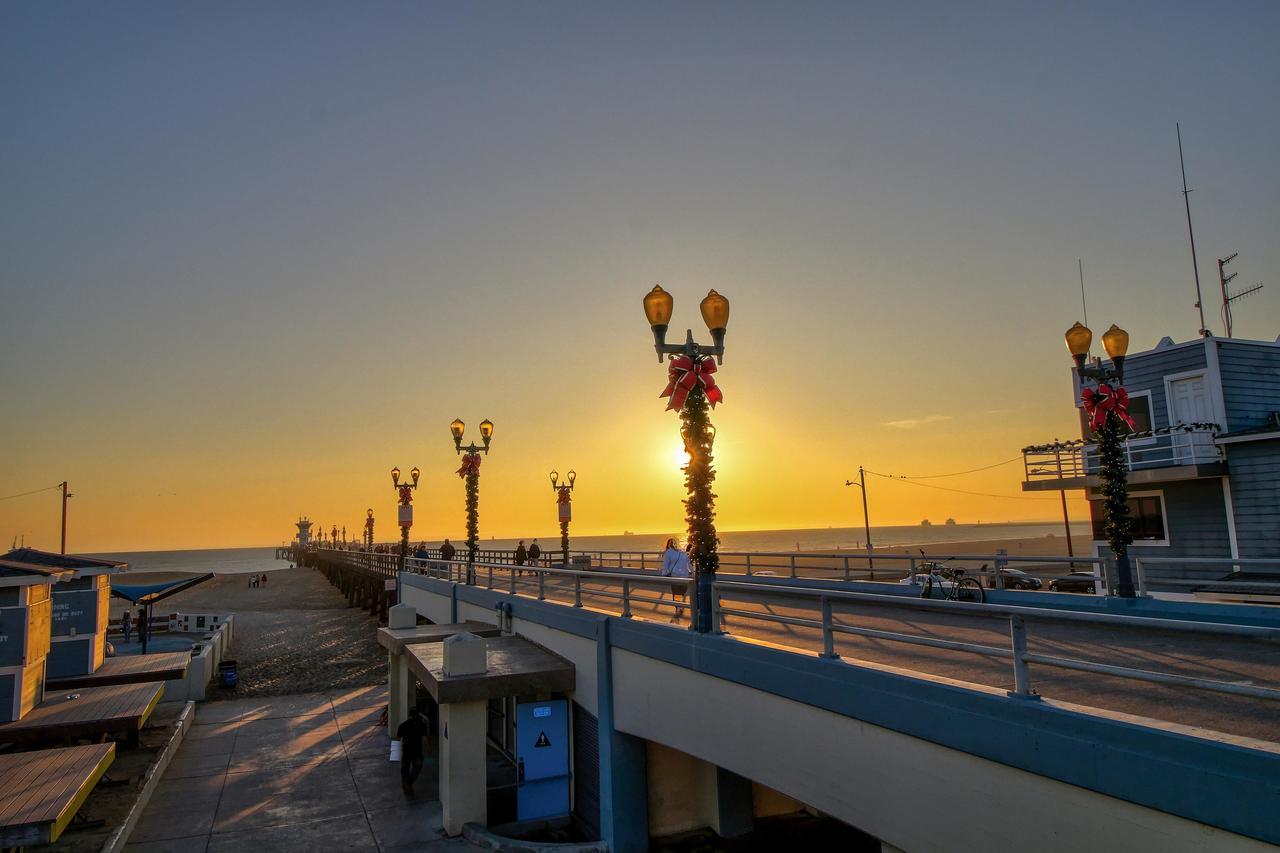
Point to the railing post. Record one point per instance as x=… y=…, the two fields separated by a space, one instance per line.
x=748 y=565
x=542 y=586
x=577 y=590
x=846 y=569
x=828 y=636
x=793 y=565
x=626 y=599
x=997 y=582
x=912 y=569
x=1141 y=577
x=513 y=581
x=491 y=576
x=1021 y=674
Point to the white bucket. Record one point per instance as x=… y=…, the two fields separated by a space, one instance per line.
x=397 y=750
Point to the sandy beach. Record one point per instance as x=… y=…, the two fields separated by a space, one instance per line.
x=293 y=635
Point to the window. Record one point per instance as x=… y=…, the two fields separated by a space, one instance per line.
x=1139 y=409
x=1147 y=514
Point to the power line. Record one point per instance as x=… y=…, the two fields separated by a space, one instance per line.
x=961 y=491
x=32 y=492
x=954 y=474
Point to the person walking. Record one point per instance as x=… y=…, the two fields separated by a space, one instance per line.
x=447 y=551
x=264 y=579
x=126 y=624
x=521 y=555
x=535 y=551
x=675 y=565
x=410 y=733
x=143 y=627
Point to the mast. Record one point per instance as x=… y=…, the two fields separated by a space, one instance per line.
x=1186 y=200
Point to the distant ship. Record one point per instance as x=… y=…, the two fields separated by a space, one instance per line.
x=628 y=533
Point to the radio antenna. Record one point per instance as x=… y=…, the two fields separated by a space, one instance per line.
x=1227 y=296
x=1186 y=200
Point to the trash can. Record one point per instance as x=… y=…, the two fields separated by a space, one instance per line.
x=227 y=675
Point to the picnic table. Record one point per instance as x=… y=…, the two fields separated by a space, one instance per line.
x=129 y=669
x=88 y=712
x=43 y=790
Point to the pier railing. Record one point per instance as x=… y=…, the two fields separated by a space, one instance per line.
x=625 y=592
x=1189 y=444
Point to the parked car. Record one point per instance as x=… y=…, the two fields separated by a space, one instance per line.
x=1018 y=579
x=1074 y=582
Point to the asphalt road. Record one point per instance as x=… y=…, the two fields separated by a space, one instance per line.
x=1229 y=659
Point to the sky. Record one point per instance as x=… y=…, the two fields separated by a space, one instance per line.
x=254 y=255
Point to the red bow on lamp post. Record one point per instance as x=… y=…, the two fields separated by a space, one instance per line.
x=1097 y=403
x=406 y=497
x=562 y=495
x=470 y=465
x=683 y=373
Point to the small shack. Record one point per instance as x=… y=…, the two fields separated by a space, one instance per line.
x=81 y=601
x=25 y=617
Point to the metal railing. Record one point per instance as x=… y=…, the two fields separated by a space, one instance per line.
x=542 y=582
x=1072 y=459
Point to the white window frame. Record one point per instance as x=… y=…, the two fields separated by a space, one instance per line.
x=1164 y=520
x=1151 y=416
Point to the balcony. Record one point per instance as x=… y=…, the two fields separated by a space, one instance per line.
x=1183 y=452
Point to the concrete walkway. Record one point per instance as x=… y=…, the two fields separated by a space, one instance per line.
x=291 y=773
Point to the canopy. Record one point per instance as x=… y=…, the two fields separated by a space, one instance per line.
x=150 y=593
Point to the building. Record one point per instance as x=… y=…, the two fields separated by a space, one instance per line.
x=1204 y=459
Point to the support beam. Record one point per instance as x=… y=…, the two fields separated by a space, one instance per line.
x=463 y=776
x=399 y=692
x=624 y=808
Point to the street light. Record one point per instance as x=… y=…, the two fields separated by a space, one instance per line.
x=565 y=507
x=691 y=386
x=405 y=509
x=368 y=529
x=866 y=517
x=1107 y=408
x=470 y=471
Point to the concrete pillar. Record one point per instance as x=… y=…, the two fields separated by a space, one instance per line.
x=463 y=770
x=734 y=812
x=399 y=689
x=624 y=798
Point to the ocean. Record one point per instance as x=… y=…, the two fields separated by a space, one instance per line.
x=247 y=560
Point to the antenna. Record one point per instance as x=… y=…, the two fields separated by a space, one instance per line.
x=1227 y=296
x=1186 y=199
x=1083 y=307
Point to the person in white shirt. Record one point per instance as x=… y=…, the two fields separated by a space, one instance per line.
x=675 y=564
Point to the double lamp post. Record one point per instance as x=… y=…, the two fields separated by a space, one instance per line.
x=564 y=507
x=470 y=472
x=405 y=509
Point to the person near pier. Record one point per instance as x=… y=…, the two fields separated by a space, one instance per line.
x=126 y=624
x=447 y=551
x=675 y=565
x=521 y=554
x=535 y=551
x=410 y=733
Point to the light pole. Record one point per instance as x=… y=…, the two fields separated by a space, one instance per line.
x=368 y=529
x=866 y=517
x=405 y=509
x=1107 y=408
x=691 y=387
x=333 y=537
x=470 y=471
x=65 y=497
x=564 y=504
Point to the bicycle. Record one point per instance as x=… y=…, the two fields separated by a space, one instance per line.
x=952 y=583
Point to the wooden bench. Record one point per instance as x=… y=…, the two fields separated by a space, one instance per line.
x=95 y=712
x=129 y=669
x=42 y=791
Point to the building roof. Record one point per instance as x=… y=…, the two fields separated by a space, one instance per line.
x=19 y=573
x=76 y=563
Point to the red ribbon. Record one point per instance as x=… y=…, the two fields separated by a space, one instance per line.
x=406 y=495
x=470 y=465
x=1097 y=404
x=563 y=496
x=683 y=373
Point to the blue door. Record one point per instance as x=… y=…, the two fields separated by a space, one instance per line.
x=542 y=759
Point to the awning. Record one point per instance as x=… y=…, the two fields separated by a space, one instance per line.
x=150 y=593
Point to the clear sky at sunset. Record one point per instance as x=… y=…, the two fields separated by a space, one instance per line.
x=254 y=254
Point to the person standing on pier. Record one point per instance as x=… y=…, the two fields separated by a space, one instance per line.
x=535 y=551
x=410 y=734
x=126 y=624
x=521 y=554
x=675 y=565
x=447 y=551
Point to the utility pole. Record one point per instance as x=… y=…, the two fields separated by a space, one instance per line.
x=65 y=496
x=866 y=517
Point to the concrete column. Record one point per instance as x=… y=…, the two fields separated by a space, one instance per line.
x=463 y=776
x=399 y=688
x=734 y=807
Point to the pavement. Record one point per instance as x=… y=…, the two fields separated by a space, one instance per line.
x=291 y=774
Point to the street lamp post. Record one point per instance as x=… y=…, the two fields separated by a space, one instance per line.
x=1107 y=408
x=866 y=517
x=470 y=472
x=405 y=509
x=692 y=389
x=368 y=529
x=564 y=505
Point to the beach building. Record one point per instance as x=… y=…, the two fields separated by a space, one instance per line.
x=1204 y=458
x=25 y=616
x=80 y=605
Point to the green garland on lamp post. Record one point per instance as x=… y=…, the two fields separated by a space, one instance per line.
x=470 y=472
x=699 y=474
x=1117 y=524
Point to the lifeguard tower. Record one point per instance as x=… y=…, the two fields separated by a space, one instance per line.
x=25 y=615
x=304 y=531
